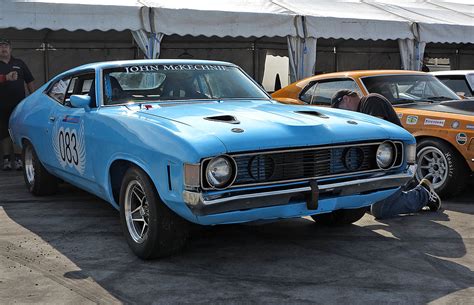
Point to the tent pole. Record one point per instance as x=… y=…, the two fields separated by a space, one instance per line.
x=255 y=61
x=46 y=56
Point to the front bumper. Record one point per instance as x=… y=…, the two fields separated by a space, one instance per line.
x=202 y=204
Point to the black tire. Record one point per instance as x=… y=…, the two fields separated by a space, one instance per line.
x=340 y=217
x=37 y=179
x=166 y=232
x=457 y=171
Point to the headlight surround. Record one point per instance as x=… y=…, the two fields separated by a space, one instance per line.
x=386 y=155
x=220 y=172
x=411 y=153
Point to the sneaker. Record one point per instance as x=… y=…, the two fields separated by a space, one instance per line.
x=18 y=165
x=7 y=165
x=434 y=202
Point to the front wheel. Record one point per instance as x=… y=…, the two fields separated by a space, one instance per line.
x=340 y=217
x=37 y=179
x=443 y=165
x=152 y=230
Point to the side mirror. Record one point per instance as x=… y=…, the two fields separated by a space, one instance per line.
x=461 y=94
x=80 y=101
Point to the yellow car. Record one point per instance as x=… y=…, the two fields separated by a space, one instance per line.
x=441 y=121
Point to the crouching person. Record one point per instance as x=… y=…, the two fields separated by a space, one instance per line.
x=400 y=202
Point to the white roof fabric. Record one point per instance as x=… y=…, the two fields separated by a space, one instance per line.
x=233 y=18
x=71 y=15
x=446 y=21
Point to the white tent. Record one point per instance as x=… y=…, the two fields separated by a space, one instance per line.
x=71 y=15
x=413 y=23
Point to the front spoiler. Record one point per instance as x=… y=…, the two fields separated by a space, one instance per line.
x=206 y=204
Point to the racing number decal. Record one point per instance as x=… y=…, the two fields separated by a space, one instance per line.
x=69 y=147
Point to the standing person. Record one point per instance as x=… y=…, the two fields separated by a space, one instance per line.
x=400 y=202
x=14 y=74
x=424 y=63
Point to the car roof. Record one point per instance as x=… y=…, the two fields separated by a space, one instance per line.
x=118 y=63
x=453 y=72
x=362 y=73
x=357 y=74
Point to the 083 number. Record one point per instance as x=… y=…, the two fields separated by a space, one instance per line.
x=68 y=146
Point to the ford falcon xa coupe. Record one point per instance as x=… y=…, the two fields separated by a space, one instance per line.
x=441 y=122
x=172 y=142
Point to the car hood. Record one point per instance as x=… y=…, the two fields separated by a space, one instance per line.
x=252 y=125
x=463 y=107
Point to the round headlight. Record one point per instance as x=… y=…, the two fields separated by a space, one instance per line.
x=385 y=155
x=220 y=172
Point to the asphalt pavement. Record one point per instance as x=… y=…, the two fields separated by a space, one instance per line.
x=69 y=249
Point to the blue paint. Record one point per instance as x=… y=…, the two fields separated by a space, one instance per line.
x=153 y=138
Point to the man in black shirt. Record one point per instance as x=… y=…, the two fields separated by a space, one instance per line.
x=373 y=104
x=400 y=202
x=15 y=74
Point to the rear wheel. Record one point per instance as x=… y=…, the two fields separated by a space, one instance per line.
x=340 y=217
x=37 y=179
x=152 y=230
x=443 y=164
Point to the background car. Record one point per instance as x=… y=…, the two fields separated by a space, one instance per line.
x=172 y=142
x=460 y=81
x=442 y=123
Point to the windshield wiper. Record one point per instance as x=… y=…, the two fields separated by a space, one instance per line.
x=410 y=101
x=440 y=98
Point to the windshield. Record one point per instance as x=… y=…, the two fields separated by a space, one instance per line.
x=155 y=83
x=402 y=89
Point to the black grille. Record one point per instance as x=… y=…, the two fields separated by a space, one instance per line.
x=278 y=166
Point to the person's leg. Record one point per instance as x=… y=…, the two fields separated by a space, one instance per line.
x=400 y=202
x=8 y=153
x=18 y=162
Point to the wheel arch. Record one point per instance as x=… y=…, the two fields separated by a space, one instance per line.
x=116 y=172
x=24 y=140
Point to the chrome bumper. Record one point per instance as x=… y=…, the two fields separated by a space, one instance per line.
x=233 y=200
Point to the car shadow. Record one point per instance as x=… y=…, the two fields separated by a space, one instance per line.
x=75 y=240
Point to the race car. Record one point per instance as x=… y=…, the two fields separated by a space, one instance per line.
x=460 y=81
x=442 y=123
x=169 y=142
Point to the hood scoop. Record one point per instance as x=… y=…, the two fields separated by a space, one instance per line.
x=223 y=119
x=313 y=113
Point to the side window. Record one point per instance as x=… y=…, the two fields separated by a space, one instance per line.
x=86 y=85
x=307 y=94
x=323 y=91
x=81 y=84
x=59 y=89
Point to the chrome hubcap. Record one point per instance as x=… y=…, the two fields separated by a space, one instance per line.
x=136 y=211
x=28 y=167
x=432 y=162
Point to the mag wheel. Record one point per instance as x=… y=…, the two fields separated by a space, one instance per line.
x=37 y=179
x=152 y=230
x=443 y=165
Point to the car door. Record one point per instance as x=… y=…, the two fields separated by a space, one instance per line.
x=70 y=128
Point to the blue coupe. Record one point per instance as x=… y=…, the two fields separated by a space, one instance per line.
x=169 y=142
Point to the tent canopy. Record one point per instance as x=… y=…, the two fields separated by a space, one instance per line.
x=448 y=21
x=72 y=15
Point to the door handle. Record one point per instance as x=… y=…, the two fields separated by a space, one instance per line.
x=52 y=118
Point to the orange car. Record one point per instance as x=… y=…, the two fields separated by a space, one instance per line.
x=442 y=123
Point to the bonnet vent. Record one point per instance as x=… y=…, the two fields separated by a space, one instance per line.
x=313 y=113
x=224 y=119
